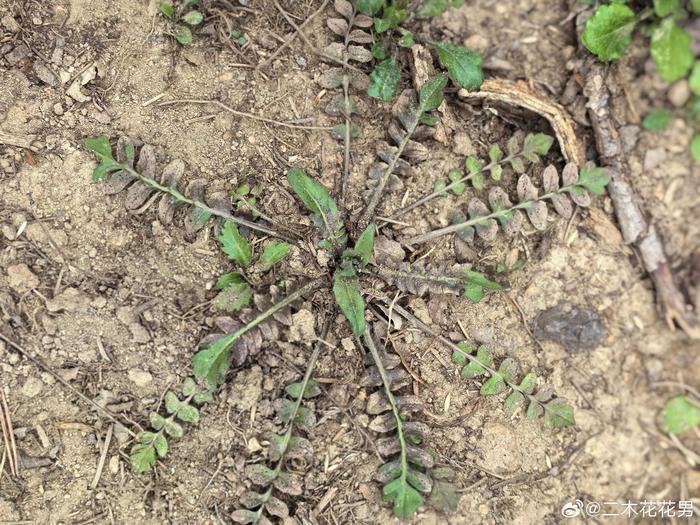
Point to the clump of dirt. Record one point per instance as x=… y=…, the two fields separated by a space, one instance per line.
x=114 y=303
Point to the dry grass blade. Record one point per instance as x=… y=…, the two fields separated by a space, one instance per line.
x=10 y=453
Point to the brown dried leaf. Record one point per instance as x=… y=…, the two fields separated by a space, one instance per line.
x=562 y=205
x=344 y=8
x=289 y=483
x=580 y=197
x=332 y=78
x=360 y=37
x=550 y=179
x=383 y=423
x=569 y=174
x=338 y=26
x=398 y=378
x=514 y=225
x=359 y=80
x=359 y=54
x=277 y=507
x=526 y=190
x=537 y=213
x=363 y=21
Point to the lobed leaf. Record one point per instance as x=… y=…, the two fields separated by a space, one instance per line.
x=235 y=245
x=364 y=247
x=384 y=79
x=463 y=65
x=273 y=254
x=431 y=94
x=143 y=458
x=193 y=18
x=608 y=31
x=671 y=51
x=211 y=363
x=405 y=498
x=346 y=288
x=234 y=297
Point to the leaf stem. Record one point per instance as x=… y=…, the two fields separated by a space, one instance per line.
x=476 y=220
x=371 y=207
x=403 y=458
x=490 y=371
x=229 y=340
x=180 y=198
x=448 y=187
x=295 y=411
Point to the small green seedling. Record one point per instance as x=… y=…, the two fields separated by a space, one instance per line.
x=609 y=31
x=181 y=12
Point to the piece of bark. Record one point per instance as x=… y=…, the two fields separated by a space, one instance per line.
x=637 y=229
x=20 y=141
x=519 y=94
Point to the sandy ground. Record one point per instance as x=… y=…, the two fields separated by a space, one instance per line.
x=115 y=302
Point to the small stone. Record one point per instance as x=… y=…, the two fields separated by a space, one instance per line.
x=139 y=334
x=463 y=145
x=575 y=328
x=348 y=344
x=17 y=54
x=140 y=378
x=253 y=446
x=70 y=300
x=653 y=158
x=303 y=326
x=629 y=136
x=387 y=250
x=32 y=387
x=21 y=279
x=58 y=109
x=44 y=74
x=477 y=43
x=114 y=464
x=9 y=23
x=679 y=93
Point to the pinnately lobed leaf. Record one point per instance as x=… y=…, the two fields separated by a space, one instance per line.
x=406 y=499
x=234 y=244
x=671 y=51
x=364 y=247
x=346 y=288
x=463 y=65
x=384 y=79
x=312 y=193
x=608 y=31
x=431 y=94
x=273 y=254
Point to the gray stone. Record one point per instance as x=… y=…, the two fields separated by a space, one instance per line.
x=575 y=328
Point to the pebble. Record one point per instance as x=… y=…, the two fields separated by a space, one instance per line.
x=629 y=136
x=58 y=109
x=679 y=93
x=32 y=387
x=387 y=250
x=463 y=145
x=21 y=279
x=575 y=328
x=653 y=158
x=140 y=378
x=70 y=300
